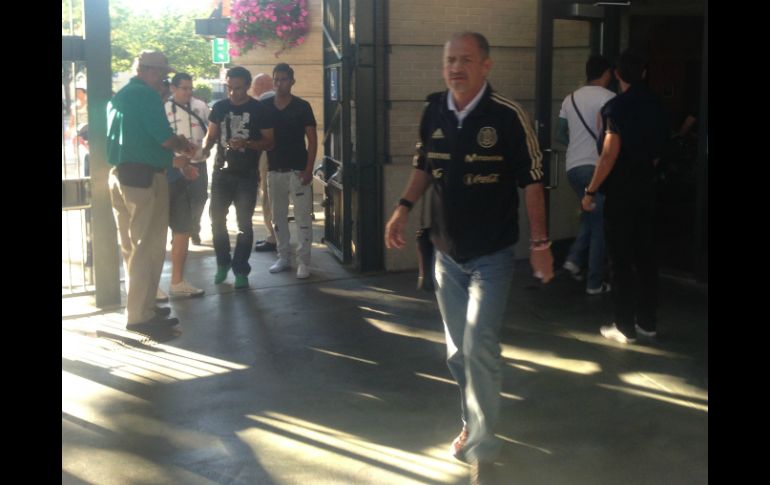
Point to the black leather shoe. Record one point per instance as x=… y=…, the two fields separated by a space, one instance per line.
x=155 y=323
x=264 y=246
x=162 y=311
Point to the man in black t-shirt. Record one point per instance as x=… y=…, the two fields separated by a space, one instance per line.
x=290 y=166
x=240 y=127
x=634 y=131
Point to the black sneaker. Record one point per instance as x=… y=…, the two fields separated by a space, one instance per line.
x=264 y=246
x=155 y=323
x=641 y=332
x=162 y=311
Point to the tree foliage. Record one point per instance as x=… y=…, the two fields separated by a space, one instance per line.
x=172 y=32
x=71 y=24
x=202 y=91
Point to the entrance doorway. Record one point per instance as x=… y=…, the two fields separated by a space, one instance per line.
x=673 y=46
x=676 y=46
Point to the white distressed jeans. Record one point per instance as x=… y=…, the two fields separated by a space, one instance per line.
x=281 y=188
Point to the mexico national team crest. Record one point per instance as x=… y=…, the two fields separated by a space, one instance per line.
x=487 y=137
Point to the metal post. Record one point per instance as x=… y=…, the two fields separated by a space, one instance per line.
x=367 y=191
x=96 y=17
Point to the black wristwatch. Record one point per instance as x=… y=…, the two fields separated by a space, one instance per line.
x=590 y=193
x=406 y=203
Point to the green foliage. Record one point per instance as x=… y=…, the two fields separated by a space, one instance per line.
x=173 y=33
x=202 y=91
x=71 y=24
x=71 y=17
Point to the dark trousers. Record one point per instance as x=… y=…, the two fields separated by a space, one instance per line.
x=240 y=190
x=630 y=234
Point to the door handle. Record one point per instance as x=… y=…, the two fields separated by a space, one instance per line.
x=553 y=177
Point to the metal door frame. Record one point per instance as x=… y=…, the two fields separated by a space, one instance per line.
x=94 y=49
x=605 y=39
x=354 y=138
x=608 y=40
x=336 y=142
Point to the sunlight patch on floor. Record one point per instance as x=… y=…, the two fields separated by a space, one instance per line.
x=331 y=450
x=543 y=358
x=344 y=356
x=521 y=443
x=102 y=341
x=673 y=385
x=596 y=338
x=656 y=396
x=126 y=415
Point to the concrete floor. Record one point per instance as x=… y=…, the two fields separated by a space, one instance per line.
x=341 y=379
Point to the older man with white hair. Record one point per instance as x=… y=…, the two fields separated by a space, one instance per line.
x=141 y=146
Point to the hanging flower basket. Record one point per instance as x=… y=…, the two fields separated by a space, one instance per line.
x=255 y=23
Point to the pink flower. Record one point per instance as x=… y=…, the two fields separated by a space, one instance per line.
x=255 y=23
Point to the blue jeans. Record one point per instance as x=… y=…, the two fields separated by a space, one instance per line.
x=241 y=191
x=472 y=297
x=590 y=237
x=199 y=192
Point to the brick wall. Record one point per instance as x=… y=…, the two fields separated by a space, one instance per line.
x=417 y=30
x=306 y=60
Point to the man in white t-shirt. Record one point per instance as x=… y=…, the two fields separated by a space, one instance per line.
x=580 y=135
x=188 y=188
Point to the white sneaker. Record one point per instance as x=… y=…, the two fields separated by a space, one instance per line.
x=160 y=296
x=605 y=288
x=303 y=271
x=183 y=288
x=645 y=333
x=574 y=270
x=279 y=265
x=611 y=332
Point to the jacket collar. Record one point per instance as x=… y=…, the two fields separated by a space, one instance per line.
x=481 y=107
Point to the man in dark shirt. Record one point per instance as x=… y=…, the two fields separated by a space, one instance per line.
x=240 y=127
x=141 y=145
x=475 y=148
x=634 y=131
x=289 y=169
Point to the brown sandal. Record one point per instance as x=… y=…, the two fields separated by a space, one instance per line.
x=458 y=445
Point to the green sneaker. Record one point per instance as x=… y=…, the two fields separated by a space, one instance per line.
x=221 y=274
x=241 y=281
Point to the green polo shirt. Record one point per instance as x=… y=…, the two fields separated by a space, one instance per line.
x=137 y=126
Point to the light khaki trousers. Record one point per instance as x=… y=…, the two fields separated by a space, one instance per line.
x=141 y=216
